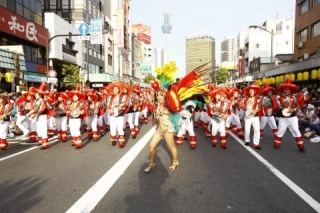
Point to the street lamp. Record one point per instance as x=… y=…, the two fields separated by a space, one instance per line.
x=272 y=34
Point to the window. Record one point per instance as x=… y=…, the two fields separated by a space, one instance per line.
x=12 y=5
x=19 y=9
x=304 y=7
x=26 y=13
x=316 y=2
x=257 y=46
x=26 y=3
x=109 y=60
x=315 y=29
x=303 y=35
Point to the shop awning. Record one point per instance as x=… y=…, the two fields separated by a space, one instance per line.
x=6 y=60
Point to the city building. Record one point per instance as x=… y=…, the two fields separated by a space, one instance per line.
x=23 y=40
x=166 y=30
x=200 y=49
x=229 y=50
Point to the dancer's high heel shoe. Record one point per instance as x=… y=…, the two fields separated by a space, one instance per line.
x=150 y=168
x=174 y=165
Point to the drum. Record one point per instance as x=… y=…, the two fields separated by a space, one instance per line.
x=286 y=113
x=248 y=113
x=75 y=113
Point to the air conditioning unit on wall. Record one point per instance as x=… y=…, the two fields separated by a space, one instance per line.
x=305 y=56
x=300 y=45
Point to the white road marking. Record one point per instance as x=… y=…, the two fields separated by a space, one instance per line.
x=51 y=140
x=294 y=187
x=92 y=197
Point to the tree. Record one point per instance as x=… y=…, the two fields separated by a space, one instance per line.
x=148 y=78
x=222 y=75
x=71 y=77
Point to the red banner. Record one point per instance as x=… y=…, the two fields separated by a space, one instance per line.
x=18 y=26
x=240 y=66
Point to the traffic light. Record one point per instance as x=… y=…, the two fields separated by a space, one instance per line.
x=8 y=77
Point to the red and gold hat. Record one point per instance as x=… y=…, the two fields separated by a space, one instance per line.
x=288 y=85
x=267 y=88
x=221 y=91
x=76 y=92
x=51 y=97
x=118 y=84
x=30 y=92
x=232 y=91
x=136 y=88
x=254 y=86
x=93 y=95
x=42 y=89
x=63 y=95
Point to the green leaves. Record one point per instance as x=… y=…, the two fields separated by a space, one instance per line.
x=71 y=76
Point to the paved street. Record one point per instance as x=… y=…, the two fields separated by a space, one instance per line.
x=104 y=178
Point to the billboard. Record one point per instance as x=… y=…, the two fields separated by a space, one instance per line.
x=143 y=33
x=16 y=25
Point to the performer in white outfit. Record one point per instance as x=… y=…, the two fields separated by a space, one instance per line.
x=289 y=102
x=268 y=104
x=93 y=109
x=60 y=114
x=187 y=124
x=134 y=111
x=251 y=108
x=5 y=113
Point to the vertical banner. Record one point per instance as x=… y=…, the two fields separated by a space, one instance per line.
x=96 y=31
x=240 y=66
x=120 y=28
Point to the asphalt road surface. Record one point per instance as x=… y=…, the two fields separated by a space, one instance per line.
x=104 y=178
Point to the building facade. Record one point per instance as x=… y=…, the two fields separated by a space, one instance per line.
x=229 y=50
x=200 y=49
x=21 y=25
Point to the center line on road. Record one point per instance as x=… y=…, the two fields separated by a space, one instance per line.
x=92 y=197
x=294 y=187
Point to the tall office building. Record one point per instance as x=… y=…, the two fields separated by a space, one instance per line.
x=229 y=50
x=166 y=30
x=200 y=49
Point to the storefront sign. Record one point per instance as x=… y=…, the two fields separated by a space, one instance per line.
x=35 y=77
x=16 y=25
x=69 y=58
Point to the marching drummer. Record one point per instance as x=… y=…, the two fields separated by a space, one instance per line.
x=290 y=101
x=217 y=109
x=251 y=108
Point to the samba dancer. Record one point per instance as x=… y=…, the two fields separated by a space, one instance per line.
x=75 y=109
x=251 y=108
x=289 y=102
x=60 y=114
x=217 y=110
x=5 y=113
x=39 y=114
x=117 y=105
x=268 y=104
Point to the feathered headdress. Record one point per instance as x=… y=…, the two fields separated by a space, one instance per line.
x=167 y=74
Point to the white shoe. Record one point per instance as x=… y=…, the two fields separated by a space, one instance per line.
x=24 y=138
x=315 y=139
x=10 y=135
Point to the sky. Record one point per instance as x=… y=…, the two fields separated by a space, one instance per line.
x=219 y=18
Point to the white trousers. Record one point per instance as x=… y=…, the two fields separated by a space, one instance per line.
x=255 y=123
x=291 y=123
x=23 y=123
x=268 y=120
x=42 y=126
x=92 y=122
x=218 y=127
x=133 y=119
x=74 y=125
x=116 y=125
x=61 y=123
x=50 y=122
x=233 y=119
x=4 y=129
x=186 y=125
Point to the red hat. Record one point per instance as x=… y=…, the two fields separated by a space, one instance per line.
x=118 y=84
x=31 y=92
x=76 y=92
x=63 y=95
x=254 y=86
x=221 y=91
x=128 y=87
x=51 y=97
x=136 y=88
x=155 y=85
x=232 y=91
x=93 y=95
x=267 y=88
x=42 y=89
x=288 y=85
